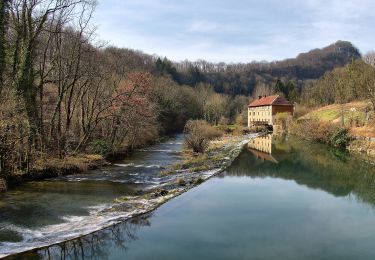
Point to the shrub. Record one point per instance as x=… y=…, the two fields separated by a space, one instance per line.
x=227 y=129
x=198 y=133
x=283 y=119
x=241 y=118
x=323 y=132
x=340 y=138
x=240 y=130
x=300 y=110
x=100 y=147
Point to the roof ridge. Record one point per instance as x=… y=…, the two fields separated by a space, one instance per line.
x=276 y=97
x=269 y=101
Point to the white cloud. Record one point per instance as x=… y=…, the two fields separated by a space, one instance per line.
x=223 y=30
x=202 y=26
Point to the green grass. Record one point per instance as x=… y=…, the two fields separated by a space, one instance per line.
x=331 y=114
x=326 y=114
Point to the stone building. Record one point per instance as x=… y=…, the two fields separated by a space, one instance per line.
x=263 y=110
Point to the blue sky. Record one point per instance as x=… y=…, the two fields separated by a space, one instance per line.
x=234 y=30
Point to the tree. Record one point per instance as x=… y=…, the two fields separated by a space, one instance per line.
x=4 y=4
x=29 y=20
x=215 y=108
x=369 y=58
x=279 y=87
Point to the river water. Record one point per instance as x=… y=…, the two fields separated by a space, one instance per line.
x=44 y=212
x=280 y=199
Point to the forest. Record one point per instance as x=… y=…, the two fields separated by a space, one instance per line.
x=63 y=92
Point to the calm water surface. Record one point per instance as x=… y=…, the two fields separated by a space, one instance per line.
x=279 y=200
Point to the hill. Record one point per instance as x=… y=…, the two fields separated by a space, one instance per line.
x=260 y=76
x=243 y=78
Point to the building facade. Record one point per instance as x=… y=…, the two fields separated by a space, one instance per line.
x=263 y=110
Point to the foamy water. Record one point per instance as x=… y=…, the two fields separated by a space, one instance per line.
x=74 y=226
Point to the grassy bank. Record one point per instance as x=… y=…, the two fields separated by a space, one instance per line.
x=348 y=126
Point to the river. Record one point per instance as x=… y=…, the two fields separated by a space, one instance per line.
x=280 y=199
x=40 y=213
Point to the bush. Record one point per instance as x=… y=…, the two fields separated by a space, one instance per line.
x=300 y=110
x=100 y=147
x=283 y=119
x=340 y=138
x=323 y=132
x=240 y=130
x=198 y=133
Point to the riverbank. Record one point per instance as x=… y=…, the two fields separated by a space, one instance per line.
x=347 y=126
x=146 y=191
x=181 y=177
x=54 y=167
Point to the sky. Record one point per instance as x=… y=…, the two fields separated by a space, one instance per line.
x=234 y=30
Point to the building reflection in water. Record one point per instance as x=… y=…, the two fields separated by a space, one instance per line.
x=266 y=148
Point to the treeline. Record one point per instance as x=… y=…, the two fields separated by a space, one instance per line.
x=63 y=94
x=248 y=78
x=355 y=81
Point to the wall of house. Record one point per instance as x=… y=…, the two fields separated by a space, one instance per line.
x=266 y=114
x=260 y=114
x=282 y=109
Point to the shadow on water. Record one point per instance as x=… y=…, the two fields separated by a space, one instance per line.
x=310 y=164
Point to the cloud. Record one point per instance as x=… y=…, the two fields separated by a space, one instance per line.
x=202 y=26
x=234 y=31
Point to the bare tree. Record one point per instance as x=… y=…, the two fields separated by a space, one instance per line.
x=369 y=58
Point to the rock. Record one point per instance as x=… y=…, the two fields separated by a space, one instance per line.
x=160 y=192
x=163 y=192
x=180 y=182
x=199 y=180
x=3 y=185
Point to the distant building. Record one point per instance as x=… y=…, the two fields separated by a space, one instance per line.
x=263 y=110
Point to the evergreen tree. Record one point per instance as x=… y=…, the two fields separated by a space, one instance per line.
x=279 y=87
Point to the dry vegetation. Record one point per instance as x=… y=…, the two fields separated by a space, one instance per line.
x=198 y=134
x=356 y=116
x=323 y=132
x=63 y=94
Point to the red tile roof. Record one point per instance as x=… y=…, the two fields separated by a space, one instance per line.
x=270 y=100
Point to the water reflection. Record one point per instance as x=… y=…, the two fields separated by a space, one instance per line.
x=95 y=245
x=252 y=212
x=265 y=148
x=310 y=164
